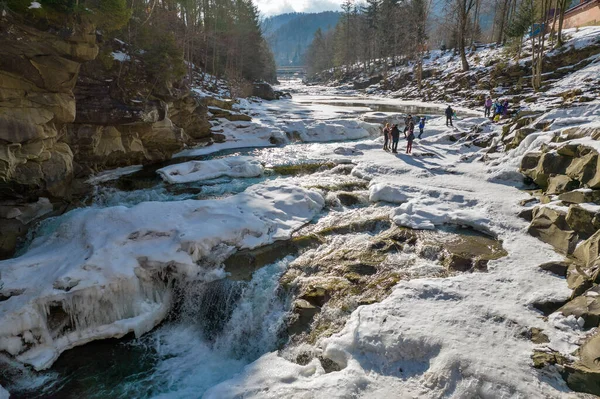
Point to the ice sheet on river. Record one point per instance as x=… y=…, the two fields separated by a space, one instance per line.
x=207 y=170
x=106 y=272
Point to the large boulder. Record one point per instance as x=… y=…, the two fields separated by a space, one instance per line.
x=263 y=90
x=550 y=225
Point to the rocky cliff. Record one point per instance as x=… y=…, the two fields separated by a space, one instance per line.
x=64 y=116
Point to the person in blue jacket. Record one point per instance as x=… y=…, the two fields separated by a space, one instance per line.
x=421 y=126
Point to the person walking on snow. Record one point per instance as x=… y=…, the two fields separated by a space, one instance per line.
x=488 y=106
x=407 y=121
x=449 y=114
x=421 y=126
x=386 y=137
x=395 y=138
x=505 y=108
x=410 y=138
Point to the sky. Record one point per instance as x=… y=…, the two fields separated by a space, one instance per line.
x=268 y=8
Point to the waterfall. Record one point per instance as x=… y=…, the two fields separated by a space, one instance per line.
x=214 y=330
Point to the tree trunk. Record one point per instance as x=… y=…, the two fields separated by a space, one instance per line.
x=561 y=20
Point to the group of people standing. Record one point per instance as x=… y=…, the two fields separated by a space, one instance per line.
x=499 y=107
x=391 y=134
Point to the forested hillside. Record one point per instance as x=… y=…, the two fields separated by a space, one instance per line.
x=223 y=36
x=290 y=34
x=404 y=32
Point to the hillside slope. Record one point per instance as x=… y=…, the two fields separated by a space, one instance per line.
x=290 y=34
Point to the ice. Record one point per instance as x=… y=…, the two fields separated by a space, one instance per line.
x=207 y=170
x=113 y=174
x=103 y=273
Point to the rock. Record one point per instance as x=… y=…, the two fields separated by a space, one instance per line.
x=549 y=224
x=537 y=336
x=584 y=375
x=541 y=358
x=281 y=95
x=520 y=135
x=459 y=263
x=366 y=82
x=560 y=183
x=580 y=196
x=586 y=307
x=585 y=221
x=263 y=90
x=558 y=268
x=217 y=102
x=578 y=279
x=526 y=214
x=191 y=115
x=350 y=199
x=304 y=314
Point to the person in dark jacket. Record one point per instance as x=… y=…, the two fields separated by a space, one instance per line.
x=386 y=136
x=488 y=106
x=449 y=114
x=407 y=121
x=409 y=139
x=395 y=138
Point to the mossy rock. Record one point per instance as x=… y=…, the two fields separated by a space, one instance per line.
x=302 y=168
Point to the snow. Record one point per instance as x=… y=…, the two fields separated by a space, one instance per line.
x=4 y=393
x=207 y=170
x=120 y=56
x=103 y=267
x=387 y=193
x=34 y=5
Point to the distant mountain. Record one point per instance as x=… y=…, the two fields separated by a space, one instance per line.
x=289 y=35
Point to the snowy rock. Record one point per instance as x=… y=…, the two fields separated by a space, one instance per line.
x=331 y=130
x=387 y=193
x=207 y=170
x=107 y=272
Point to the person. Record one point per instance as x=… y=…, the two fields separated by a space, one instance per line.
x=407 y=121
x=410 y=138
x=497 y=108
x=488 y=106
x=421 y=126
x=395 y=138
x=449 y=114
x=386 y=136
x=505 y=107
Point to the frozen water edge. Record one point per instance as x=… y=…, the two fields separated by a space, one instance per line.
x=194 y=171
x=106 y=272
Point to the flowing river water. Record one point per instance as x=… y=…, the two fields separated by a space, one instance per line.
x=214 y=329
